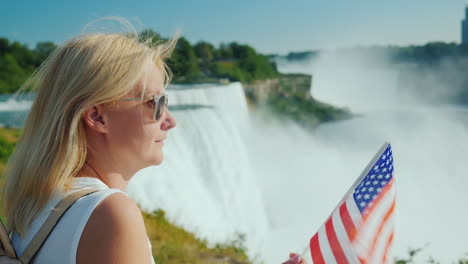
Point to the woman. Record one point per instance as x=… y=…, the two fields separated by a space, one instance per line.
x=99 y=116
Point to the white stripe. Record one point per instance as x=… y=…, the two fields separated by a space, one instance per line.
x=382 y=241
x=342 y=236
x=325 y=246
x=354 y=211
x=372 y=223
x=369 y=229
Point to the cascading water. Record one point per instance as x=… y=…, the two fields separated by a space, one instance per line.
x=206 y=183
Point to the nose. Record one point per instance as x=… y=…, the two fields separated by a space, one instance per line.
x=169 y=121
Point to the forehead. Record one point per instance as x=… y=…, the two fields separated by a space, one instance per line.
x=151 y=82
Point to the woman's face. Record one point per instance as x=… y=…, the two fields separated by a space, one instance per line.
x=135 y=138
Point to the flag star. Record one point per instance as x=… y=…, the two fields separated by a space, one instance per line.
x=379 y=190
x=368 y=183
x=357 y=191
x=384 y=170
x=367 y=196
x=383 y=164
x=380 y=176
x=371 y=189
x=376 y=168
x=372 y=176
x=383 y=183
x=359 y=197
x=374 y=196
x=387 y=176
x=376 y=182
x=388 y=161
x=362 y=204
x=384 y=157
x=364 y=189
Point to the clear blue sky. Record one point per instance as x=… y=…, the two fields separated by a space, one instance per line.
x=270 y=26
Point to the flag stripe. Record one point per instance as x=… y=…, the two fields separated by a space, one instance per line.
x=374 y=231
x=369 y=211
x=380 y=250
x=354 y=211
x=372 y=221
x=361 y=228
x=347 y=221
x=387 y=248
x=325 y=247
x=343 y=238
x=387 y=216
x=377 y=235
x=317 y=257
x=334 y=243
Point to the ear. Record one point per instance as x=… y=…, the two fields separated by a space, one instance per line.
x=94 y=119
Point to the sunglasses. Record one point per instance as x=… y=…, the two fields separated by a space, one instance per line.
x=159 y=102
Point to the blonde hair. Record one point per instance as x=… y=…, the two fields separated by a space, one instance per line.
x=87 y=70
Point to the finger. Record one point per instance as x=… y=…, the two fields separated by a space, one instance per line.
x=292 y=255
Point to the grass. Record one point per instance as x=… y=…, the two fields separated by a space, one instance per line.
x=171 y=244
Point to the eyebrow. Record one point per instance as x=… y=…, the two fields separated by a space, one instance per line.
x=151 y=94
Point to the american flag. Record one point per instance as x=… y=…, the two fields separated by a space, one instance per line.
x=360 y=229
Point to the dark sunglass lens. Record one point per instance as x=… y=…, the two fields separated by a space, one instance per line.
x=162 y=102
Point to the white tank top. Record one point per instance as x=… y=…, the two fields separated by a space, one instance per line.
x=62 y=244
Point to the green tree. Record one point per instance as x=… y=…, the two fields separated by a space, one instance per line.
x=184 y=62
x=204 y=51
x=225 y=52
x=149 y=34
x=4 y=45
x=241 y=51
x=44 y=49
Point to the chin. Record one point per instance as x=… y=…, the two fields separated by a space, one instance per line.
x=158 y=160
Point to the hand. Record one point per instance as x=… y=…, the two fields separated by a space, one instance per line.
x=295 y=259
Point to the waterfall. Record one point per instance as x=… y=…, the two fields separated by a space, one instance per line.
x=206 y=183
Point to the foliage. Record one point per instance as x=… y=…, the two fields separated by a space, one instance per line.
x=172 y=244
x=184 y=63
x=8 y=139
x=412 y=252
x=190 y=63
x=293 y=100
x=433 y=72
x=430 y=53
x=17 y=62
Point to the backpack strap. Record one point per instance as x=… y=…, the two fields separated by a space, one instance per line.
x=6 y=248
x=50 y=223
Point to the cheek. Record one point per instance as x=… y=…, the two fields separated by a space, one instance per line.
x=128 y=132
x=125 y=128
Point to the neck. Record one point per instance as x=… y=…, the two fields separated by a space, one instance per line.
x=113 y=179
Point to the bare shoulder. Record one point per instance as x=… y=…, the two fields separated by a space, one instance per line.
x=114 y=233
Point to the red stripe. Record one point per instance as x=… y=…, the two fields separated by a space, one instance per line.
x=387 y=248
x=317 y=257
x=388 y=214
x=347 y=222
x=334 y=243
